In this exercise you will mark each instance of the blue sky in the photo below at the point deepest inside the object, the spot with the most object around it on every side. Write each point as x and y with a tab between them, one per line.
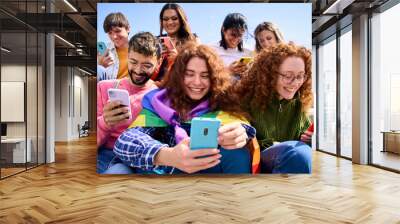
205	19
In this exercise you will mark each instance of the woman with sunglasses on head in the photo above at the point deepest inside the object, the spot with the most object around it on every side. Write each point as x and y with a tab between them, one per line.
230	48
174	22
267	34
277	94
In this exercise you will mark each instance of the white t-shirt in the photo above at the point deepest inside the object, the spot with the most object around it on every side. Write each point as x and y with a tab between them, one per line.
231	54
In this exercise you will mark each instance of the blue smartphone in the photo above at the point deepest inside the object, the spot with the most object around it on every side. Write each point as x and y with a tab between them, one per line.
101	47
204	133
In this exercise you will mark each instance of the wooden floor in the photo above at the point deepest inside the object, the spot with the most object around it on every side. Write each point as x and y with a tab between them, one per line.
70	191
387	159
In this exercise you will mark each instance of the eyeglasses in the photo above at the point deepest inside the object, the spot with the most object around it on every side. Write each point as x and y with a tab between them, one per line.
173	18
289	78
144	67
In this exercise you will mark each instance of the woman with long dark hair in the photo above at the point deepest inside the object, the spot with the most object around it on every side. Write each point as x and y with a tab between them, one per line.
231	47
174	22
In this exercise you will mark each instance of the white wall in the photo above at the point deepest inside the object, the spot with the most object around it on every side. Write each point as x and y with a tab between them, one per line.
61	103
70	83
12	73
33	127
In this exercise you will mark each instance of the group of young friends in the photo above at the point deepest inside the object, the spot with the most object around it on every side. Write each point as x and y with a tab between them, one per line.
262	105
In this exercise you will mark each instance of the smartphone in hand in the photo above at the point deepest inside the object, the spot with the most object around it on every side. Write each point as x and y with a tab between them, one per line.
167	42
204	133
101	47
245	60
121	95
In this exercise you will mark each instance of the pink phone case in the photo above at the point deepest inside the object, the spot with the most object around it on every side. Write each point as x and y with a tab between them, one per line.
167	42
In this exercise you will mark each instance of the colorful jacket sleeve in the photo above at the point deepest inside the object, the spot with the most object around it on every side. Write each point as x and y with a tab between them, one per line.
250	131
137	148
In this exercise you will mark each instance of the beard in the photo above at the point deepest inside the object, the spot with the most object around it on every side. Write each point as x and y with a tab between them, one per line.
138	79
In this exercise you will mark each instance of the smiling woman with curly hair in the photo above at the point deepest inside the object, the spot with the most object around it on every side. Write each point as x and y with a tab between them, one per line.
277	94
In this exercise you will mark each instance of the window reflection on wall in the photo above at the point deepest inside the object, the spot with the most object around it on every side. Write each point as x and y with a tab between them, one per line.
327	96
385	85
346	94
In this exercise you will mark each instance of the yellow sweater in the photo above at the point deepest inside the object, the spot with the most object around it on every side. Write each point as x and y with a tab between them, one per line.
123	62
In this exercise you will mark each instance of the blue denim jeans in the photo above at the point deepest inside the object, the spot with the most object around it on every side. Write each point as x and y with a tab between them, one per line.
232	162
287	157
104	157
119	168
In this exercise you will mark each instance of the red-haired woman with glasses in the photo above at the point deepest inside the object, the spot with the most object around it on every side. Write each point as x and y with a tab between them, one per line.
277	94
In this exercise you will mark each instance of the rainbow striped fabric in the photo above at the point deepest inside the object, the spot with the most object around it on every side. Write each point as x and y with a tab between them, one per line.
148	117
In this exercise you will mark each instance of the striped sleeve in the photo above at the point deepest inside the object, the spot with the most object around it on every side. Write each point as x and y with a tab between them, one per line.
137	148
250	131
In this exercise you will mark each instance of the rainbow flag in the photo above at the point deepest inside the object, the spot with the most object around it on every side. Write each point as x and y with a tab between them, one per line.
149	118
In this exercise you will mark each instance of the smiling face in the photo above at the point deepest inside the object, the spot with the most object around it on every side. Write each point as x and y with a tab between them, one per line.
170	22
196	81
140	67
119	36
266	39
290	79
233	37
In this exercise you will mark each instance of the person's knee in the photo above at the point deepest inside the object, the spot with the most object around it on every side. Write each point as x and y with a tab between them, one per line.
119	168
236	154
300	158
235	161
287	157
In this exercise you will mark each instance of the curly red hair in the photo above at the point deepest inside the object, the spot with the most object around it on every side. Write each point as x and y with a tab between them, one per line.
218	96
257	86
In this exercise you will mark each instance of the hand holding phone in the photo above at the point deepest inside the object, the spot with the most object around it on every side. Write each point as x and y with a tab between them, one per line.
101	48
245	60
204	133
118	109
121	95
187	160
167	42
103	57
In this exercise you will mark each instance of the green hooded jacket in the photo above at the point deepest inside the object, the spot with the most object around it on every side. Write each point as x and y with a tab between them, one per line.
282	121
